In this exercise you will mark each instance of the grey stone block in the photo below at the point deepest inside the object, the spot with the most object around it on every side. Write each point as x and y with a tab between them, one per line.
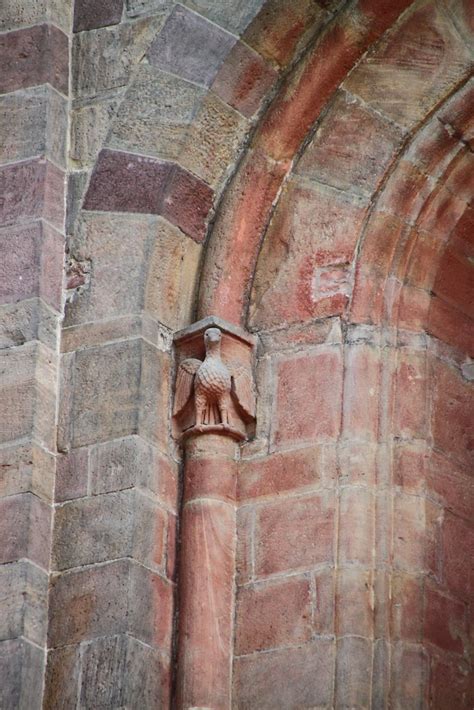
62	678
27	467
25	321
190	46
25	523
106	392
89	127
21	673
23	602
115	465
103	59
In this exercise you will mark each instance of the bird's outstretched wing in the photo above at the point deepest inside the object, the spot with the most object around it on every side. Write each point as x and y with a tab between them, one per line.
184	383
243	388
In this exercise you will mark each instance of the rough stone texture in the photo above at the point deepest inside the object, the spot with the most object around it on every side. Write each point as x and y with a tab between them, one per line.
21	670
88	15
102	59
234	15
154	114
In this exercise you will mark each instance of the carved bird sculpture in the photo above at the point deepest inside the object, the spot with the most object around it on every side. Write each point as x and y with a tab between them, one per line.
213	383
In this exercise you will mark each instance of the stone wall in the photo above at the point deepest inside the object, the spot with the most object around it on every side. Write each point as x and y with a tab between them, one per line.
303	170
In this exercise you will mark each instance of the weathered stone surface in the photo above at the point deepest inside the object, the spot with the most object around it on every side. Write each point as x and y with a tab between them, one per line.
106	392
354	594
155	384
21	671
187	203
352	147
171	280
244	79
301	272
27	467
89	126
62	677
295	417
71	475
294	534
32	188
151	616
25	529
129	462
354	661
212	141
409	90
17	370
25	321
88	603
33	122
190	47
118	248
107	527
89	15
234	15
23	602
280	29
32	56
140	7
18	13
123	182
287	678
155	113
452	424
272	615
103	59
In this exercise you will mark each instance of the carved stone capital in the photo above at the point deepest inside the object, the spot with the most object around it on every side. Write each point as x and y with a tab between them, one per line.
214	386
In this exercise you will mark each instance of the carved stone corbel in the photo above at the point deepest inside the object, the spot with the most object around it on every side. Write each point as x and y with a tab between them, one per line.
215	390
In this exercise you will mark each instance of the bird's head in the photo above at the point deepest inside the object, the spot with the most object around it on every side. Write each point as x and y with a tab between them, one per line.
212	338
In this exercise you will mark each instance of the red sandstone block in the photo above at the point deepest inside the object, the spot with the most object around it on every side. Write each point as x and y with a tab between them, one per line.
122	182
445	621
62	677
210	478
410	417
410	667
306	386
450	485
460	177
244	214
277	473
451	683
244	79
383	234
245	544
296	533
361	392
354	603
451	326
187	203
32	56
405	192
452	422
52	258
406	607
454	282
352	147
356	526
288	678
424	258
409	532
353	662
89	14
411	463
457	554
272	615
172	547
440	215
367	297
413	308
22	189
458	111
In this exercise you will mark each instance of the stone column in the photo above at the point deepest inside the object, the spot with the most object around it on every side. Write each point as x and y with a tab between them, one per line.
214	410
206	577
